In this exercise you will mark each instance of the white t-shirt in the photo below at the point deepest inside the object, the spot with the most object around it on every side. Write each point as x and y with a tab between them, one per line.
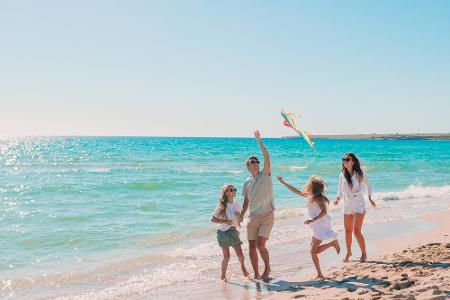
259	191
232	208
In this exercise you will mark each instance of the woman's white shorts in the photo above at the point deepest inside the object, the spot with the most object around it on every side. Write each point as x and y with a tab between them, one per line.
354	204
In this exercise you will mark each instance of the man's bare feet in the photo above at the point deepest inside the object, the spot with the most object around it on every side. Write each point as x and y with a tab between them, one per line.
336	246
347	257
245	272
257	276
363	258
266	273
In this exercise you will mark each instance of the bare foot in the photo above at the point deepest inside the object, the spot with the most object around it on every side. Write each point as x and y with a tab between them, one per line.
223	278
363	258
245	272
347	257
320	277
266	273
257	276
336	246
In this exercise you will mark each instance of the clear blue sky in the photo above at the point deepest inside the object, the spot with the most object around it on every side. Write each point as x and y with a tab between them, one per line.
223	68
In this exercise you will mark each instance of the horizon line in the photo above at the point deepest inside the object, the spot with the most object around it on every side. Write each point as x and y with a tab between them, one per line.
415	134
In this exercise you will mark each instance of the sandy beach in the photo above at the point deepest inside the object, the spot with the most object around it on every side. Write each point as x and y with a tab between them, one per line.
409	267
402	264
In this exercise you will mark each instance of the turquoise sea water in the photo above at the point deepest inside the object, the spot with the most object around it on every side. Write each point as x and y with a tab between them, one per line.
89	209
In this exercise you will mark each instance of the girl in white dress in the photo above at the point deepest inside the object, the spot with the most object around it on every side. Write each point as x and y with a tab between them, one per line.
352	185
320	222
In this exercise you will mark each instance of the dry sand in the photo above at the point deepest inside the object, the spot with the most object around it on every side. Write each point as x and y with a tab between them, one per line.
410	267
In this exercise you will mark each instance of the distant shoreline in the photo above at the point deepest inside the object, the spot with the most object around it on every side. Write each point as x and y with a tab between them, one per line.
362	136
381	136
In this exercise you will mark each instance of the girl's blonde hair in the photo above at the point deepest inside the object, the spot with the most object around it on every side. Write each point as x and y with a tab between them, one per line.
223	200
315	188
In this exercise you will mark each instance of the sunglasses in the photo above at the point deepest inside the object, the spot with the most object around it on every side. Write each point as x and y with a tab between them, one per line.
253	162
346	159
232	190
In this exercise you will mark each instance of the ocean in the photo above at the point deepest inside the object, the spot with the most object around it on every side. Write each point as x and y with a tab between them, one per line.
107	216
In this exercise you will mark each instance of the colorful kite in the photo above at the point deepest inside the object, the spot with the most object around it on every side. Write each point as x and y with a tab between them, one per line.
289	121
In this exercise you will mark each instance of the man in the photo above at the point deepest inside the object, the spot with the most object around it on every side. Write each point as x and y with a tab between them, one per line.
258	198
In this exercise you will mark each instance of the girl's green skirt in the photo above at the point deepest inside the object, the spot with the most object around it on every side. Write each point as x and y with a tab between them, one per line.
229	238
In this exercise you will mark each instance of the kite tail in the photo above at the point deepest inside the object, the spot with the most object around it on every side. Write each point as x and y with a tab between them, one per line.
307	138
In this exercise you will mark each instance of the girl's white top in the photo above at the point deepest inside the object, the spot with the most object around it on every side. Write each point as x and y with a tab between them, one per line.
320	229
357	189
231	210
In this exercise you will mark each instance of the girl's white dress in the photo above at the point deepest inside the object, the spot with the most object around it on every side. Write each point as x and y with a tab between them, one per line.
321	228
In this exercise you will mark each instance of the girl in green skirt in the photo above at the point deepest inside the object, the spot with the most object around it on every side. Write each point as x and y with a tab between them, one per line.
226	216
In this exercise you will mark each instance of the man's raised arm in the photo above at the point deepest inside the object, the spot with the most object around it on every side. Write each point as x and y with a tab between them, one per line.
266	169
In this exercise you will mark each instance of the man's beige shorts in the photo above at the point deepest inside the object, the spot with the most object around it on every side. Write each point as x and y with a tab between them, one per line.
260	225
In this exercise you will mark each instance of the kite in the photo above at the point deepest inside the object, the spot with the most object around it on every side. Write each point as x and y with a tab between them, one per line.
289	121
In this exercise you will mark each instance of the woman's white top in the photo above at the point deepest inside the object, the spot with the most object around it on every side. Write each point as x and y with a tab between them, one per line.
231	210
357	189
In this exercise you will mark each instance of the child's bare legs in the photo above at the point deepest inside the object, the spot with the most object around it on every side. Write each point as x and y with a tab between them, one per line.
316	248
315	244
359	219
348	225
240	256
226	259
336	246
324	247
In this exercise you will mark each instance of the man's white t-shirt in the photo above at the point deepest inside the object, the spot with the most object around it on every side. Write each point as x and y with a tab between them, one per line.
230	211
259	191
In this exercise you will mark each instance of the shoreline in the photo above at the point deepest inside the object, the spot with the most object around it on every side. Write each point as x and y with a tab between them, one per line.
441	232
291	263
293	271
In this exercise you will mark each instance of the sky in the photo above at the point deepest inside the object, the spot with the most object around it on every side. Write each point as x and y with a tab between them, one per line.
223	68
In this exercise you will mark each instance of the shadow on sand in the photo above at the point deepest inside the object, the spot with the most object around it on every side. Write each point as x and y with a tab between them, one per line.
350	284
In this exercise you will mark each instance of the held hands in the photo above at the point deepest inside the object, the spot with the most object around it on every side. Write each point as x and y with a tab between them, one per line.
241	220
238	216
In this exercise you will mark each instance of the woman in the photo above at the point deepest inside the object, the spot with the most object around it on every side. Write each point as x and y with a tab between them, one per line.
351	187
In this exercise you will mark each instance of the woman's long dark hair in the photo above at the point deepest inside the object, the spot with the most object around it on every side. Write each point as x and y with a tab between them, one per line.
356	169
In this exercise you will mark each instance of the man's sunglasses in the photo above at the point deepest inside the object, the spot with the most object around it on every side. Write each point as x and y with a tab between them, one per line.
253	162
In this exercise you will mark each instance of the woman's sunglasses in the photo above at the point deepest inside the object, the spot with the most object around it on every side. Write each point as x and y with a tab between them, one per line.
232	190
347	159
